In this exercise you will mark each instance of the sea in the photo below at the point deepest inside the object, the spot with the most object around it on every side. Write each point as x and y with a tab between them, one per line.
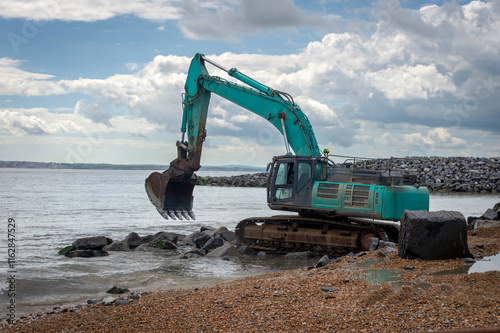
44	210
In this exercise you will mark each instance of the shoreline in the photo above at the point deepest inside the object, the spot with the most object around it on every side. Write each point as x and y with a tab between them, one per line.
343	296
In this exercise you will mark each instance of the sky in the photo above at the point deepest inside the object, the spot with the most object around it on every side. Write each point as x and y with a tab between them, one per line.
101	82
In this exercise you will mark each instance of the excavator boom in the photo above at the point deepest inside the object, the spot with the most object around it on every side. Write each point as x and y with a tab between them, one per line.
171	191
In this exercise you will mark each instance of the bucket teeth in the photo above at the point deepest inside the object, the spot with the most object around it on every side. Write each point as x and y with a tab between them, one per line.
191	215
185	214
171	214
177	214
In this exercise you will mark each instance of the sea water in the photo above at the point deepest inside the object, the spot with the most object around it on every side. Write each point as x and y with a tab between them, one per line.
53	207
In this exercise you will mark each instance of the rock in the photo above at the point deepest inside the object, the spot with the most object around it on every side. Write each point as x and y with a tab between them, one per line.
486	224
218	231
162	236
94	301
117	246
202	240
108	300
213	243
262	253
374	243
388	250
65	251
224	250
433	235
192	255
91	243
490	214
133	240
86	254
299	255
246	250
206	228
468	260
382	244
329	289
146	248
117	290
120	302
323	261
496	208
228	235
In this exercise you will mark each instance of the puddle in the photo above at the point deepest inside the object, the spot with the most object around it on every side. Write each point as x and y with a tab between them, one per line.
368	262
459	270
381	275
487	264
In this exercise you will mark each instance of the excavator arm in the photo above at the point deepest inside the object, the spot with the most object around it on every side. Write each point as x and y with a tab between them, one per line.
171	191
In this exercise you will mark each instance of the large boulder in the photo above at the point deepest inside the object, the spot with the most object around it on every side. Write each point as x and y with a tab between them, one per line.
117	246
433	235
133	240
213	243
91	243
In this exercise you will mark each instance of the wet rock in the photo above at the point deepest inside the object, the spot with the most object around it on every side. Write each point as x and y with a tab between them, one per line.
323	261
228	235
202	240
225	250
246	250
163	237
206	228
213	243
117	246
146	248
496	208
133	240
65	251
91	243
117	290
86	254
299	255
433	235
490	214
218	231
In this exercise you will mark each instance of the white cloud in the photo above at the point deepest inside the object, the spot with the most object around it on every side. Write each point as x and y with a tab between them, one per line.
88	10
15	81
410	82
19	124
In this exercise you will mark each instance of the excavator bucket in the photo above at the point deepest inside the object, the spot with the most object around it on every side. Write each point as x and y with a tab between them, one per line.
172	193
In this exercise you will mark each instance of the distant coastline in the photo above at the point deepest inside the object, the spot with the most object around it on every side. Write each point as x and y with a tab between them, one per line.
107	166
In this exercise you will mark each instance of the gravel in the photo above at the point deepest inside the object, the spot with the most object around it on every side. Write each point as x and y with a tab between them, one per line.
336	297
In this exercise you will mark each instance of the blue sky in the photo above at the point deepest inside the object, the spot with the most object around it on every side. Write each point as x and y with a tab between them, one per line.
101	83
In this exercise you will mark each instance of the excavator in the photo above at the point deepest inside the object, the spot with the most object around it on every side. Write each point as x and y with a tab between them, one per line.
337	208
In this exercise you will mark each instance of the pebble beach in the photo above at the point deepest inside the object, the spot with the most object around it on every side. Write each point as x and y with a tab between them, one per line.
368	292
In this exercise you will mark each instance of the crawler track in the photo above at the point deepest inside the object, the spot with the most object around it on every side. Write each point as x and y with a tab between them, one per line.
294	233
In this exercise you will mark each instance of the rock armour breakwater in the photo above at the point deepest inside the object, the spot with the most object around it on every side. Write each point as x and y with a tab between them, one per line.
443	174
449	174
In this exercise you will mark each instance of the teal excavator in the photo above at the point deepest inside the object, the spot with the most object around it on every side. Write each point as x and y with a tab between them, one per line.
340	206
